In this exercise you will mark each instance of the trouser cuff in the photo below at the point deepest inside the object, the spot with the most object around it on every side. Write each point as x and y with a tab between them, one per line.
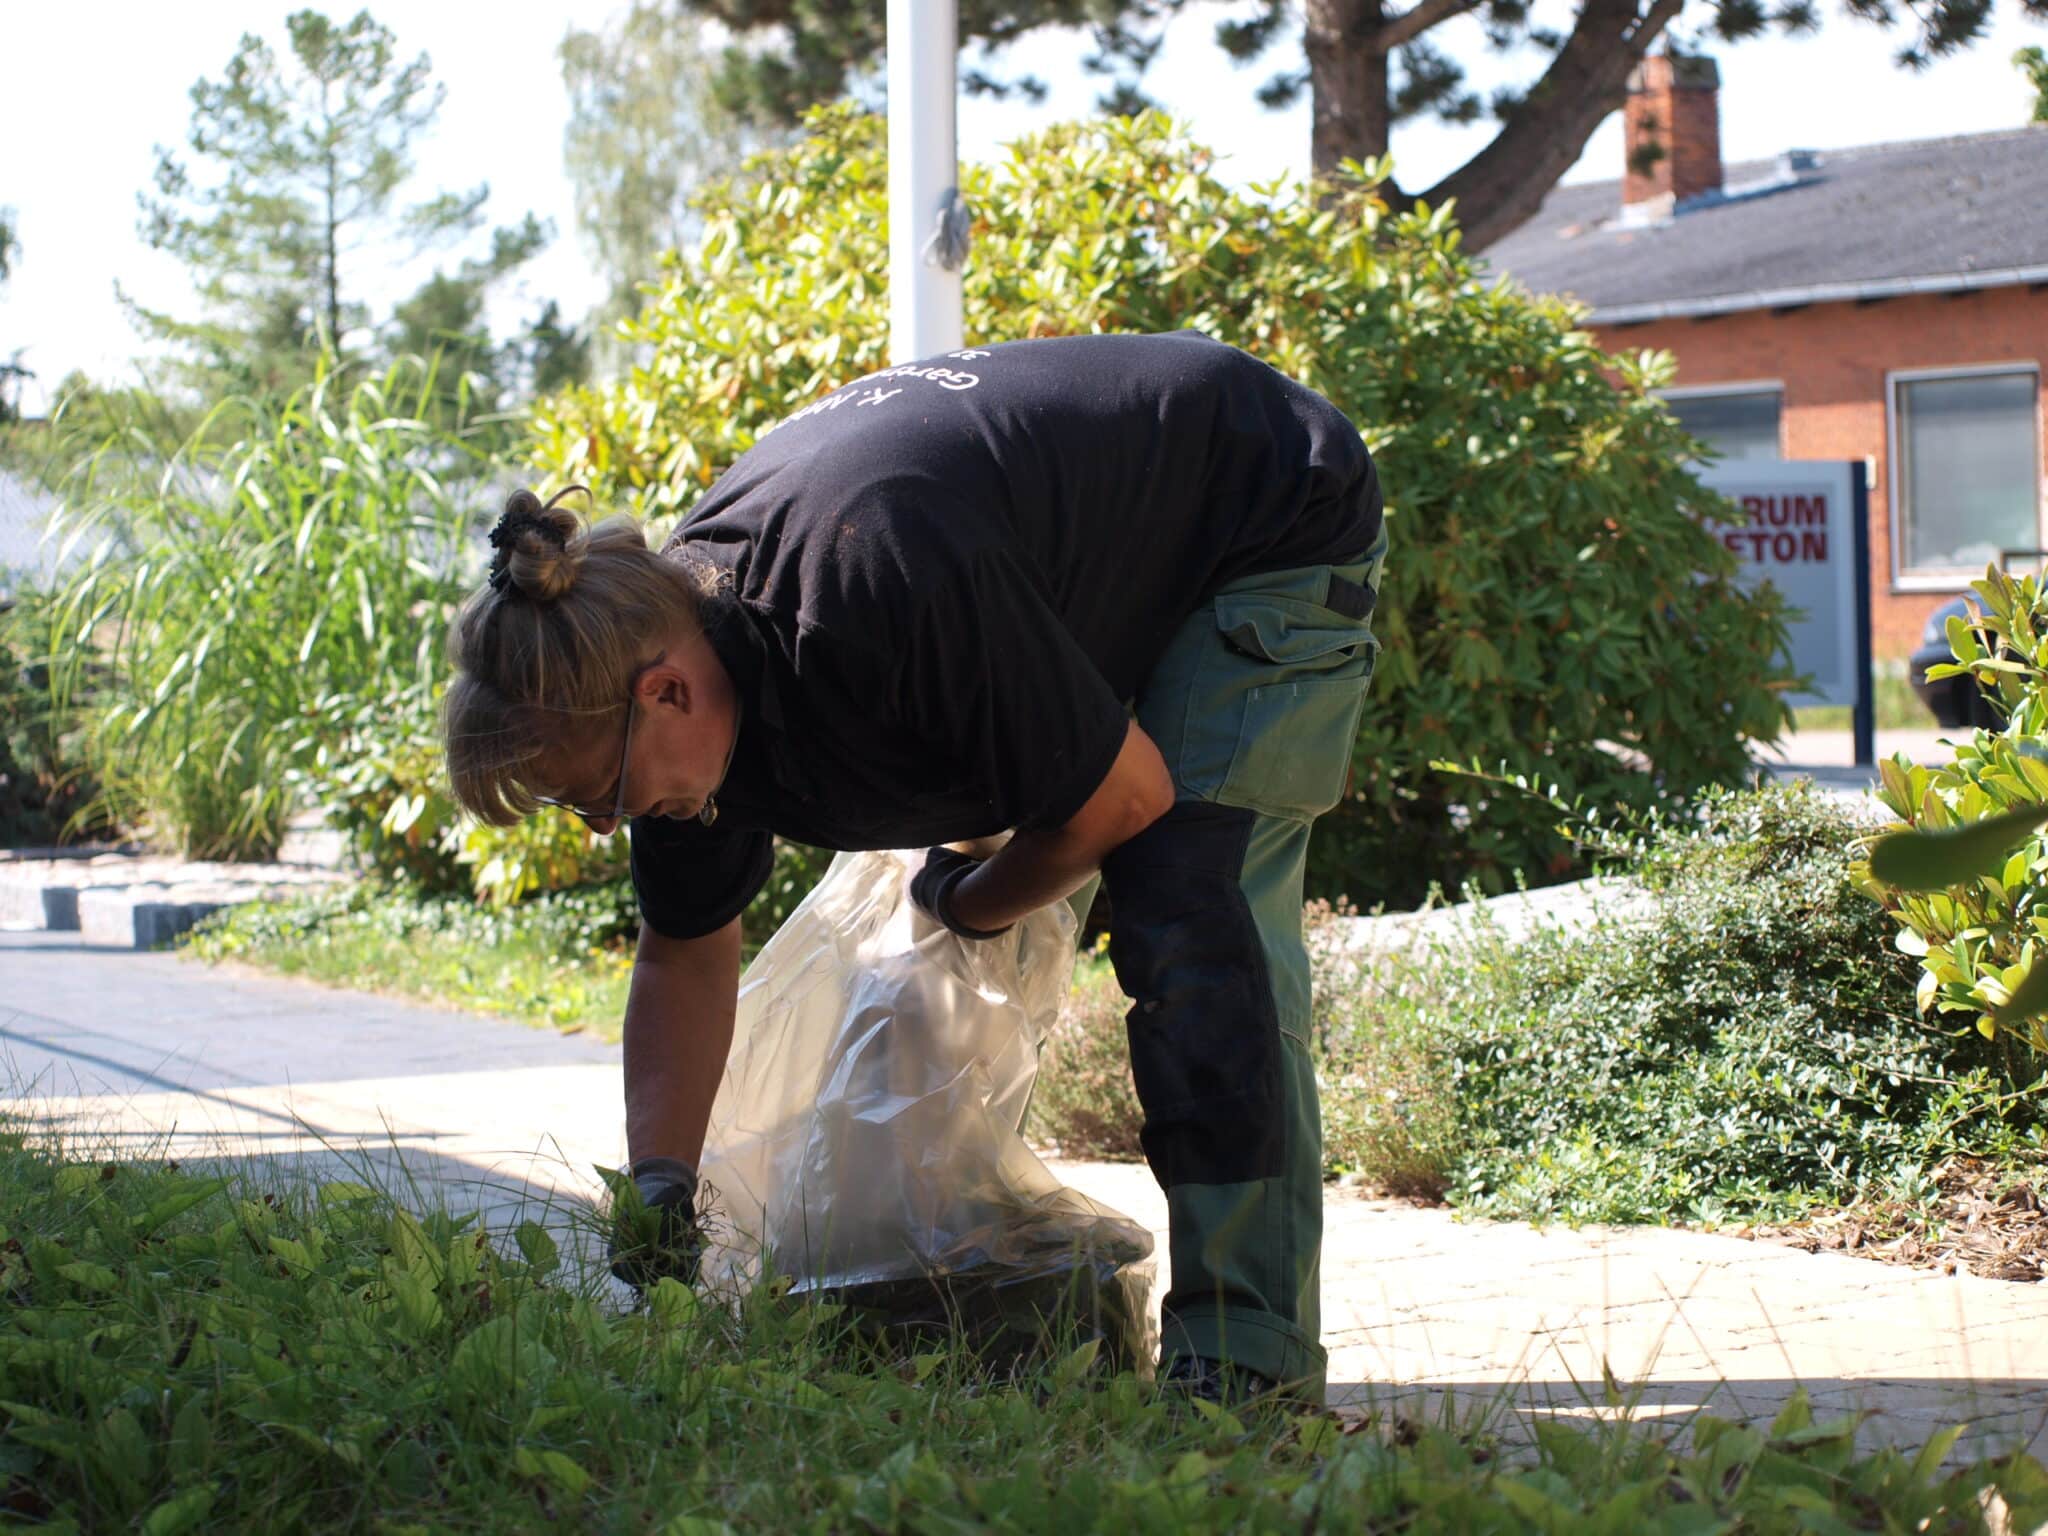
1258	1341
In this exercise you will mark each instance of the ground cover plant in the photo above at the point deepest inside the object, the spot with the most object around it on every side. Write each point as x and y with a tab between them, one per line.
1553	592
561	958
1750	1046
192	1349
1747	1047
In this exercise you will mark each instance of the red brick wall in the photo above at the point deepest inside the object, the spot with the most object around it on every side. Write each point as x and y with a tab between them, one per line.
1831	360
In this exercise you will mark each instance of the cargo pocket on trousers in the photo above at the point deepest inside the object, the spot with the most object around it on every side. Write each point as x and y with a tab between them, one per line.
1307	667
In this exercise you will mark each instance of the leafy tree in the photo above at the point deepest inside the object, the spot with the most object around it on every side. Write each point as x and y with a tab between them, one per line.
446	315
1367	64
550	355
2033	63
304	159
645	131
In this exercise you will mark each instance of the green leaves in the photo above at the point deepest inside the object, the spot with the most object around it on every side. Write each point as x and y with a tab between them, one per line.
1935	860
214	1387
321	526
1966	875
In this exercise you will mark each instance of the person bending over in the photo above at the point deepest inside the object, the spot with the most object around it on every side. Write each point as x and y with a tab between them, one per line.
1110	594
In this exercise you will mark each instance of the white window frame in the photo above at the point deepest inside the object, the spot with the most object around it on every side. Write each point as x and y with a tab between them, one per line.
1904	580
1742	387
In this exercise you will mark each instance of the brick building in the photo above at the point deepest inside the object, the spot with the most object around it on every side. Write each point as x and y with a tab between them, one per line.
1887	303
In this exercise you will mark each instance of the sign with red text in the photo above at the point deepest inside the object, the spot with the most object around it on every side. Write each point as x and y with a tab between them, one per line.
1799	529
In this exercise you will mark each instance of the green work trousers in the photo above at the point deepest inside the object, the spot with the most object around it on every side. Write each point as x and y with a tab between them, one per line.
1256	706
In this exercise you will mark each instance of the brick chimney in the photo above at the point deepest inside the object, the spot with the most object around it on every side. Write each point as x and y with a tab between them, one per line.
1673	132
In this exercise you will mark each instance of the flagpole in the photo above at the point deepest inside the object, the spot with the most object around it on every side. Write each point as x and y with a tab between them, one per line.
927	234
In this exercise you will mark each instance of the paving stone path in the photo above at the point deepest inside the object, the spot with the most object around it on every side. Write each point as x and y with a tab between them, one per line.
1424	1314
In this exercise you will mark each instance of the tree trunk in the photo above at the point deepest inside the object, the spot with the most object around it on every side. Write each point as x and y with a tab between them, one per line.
1347	73
333	273
1350	41
1501	186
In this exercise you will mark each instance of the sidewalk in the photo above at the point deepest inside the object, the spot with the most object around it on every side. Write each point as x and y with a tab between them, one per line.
146	1053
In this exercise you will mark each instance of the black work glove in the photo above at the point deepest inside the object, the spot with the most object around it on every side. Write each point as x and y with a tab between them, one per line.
654	1224
932	887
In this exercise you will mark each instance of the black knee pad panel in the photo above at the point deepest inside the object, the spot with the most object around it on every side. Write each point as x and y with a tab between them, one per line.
1204	1032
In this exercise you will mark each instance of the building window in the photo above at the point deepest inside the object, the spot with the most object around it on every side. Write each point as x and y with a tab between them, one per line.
1966	482
1736	424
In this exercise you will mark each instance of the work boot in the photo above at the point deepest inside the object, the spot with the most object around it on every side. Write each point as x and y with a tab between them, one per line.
1188	1377
654	1229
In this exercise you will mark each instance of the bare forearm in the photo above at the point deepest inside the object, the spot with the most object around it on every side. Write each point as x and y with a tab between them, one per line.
679	1027
1036	868
1032	870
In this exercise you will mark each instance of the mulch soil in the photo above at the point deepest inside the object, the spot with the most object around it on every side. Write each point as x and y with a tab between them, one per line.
1988	1220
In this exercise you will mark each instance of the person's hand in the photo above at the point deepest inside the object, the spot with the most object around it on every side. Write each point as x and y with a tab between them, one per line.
655	1233
932	888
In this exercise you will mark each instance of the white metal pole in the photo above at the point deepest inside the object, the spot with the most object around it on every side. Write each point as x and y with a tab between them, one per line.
924	296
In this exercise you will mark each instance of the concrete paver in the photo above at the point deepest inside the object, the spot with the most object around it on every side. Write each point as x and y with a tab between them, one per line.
1425	1315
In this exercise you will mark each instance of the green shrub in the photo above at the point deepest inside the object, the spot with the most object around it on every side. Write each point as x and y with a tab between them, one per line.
46	794
1389	1119
375	775
1552	592
1749	1047
288	554
1981	938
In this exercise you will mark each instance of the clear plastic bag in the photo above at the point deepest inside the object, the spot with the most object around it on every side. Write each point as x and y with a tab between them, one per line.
865	1140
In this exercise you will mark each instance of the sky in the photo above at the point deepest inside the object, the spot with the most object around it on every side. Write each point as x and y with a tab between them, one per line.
93	87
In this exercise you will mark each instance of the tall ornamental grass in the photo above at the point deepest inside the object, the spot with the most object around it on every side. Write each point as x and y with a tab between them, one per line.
249	586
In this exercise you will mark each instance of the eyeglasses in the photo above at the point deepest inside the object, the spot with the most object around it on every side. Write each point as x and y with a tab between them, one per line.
618	811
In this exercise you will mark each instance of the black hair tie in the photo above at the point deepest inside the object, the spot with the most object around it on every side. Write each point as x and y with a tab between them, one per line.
523	514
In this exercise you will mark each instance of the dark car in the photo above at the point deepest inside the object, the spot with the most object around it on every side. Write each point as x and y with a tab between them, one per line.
1956	702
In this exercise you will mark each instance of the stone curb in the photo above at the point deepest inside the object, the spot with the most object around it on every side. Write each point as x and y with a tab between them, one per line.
136	901
1567	909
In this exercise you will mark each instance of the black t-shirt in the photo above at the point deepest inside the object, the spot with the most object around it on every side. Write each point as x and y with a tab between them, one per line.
943	583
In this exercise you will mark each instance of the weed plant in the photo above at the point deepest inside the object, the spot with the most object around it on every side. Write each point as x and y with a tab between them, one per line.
190	1349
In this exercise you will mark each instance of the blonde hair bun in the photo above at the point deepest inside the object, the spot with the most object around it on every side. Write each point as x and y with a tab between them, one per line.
540	546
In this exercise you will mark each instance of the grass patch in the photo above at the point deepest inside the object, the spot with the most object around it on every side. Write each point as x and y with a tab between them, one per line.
215	1350
563	960
1898	707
